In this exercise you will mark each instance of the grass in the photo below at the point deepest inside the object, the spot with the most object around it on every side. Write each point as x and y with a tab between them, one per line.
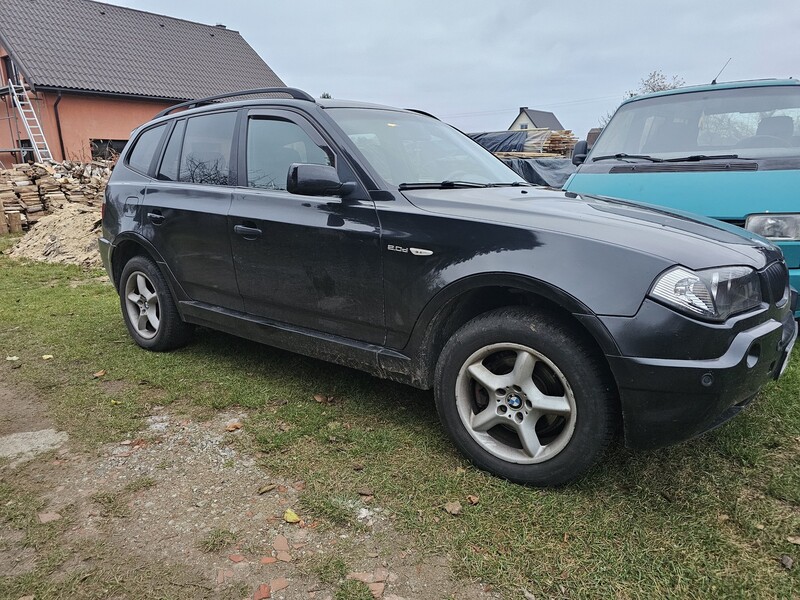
116	503
217	540
328	569
353	590
709	518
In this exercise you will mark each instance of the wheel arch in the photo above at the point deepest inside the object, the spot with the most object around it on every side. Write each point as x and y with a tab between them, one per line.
128	245
465	299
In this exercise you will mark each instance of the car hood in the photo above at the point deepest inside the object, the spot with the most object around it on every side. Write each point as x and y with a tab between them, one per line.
685	238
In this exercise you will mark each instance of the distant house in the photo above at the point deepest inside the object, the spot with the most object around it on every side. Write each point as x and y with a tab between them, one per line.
535	119
93	72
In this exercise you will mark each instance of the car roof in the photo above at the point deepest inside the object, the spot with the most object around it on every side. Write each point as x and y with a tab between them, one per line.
727	85
270	102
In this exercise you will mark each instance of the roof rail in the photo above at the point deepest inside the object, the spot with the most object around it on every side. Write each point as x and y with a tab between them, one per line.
422	112
293	92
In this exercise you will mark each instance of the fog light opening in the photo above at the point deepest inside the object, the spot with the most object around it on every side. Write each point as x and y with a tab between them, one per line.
753	355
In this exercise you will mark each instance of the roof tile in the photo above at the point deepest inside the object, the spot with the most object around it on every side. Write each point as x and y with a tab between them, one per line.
91	46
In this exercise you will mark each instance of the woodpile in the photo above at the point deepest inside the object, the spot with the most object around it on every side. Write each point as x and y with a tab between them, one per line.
29	192
560	142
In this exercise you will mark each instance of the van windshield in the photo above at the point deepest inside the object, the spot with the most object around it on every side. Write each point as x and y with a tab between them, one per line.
760	122
410	149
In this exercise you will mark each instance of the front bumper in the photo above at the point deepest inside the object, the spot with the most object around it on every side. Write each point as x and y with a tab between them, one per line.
667	400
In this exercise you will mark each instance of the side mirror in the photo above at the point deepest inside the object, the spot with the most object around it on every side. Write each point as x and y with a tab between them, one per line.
579	152
316	180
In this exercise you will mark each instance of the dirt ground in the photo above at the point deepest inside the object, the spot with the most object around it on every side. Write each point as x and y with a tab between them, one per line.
168	495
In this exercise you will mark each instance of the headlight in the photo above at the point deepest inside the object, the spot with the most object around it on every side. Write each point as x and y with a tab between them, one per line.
776	227
713	294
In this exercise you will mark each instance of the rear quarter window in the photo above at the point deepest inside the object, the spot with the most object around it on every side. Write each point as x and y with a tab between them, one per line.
144	149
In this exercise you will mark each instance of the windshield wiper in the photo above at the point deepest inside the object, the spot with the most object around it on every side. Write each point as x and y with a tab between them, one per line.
442	185
623	155
699	157
511	184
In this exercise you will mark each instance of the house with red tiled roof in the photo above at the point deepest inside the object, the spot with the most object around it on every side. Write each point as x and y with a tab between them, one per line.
88	73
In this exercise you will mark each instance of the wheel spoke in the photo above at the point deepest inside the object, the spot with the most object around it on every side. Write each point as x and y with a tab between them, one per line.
550	405
486	419
556	405
486	378
523	368
527	436
141	285
152	317
141	323
133	297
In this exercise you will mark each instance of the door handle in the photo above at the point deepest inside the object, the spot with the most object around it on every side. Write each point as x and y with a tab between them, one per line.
156	218
249	233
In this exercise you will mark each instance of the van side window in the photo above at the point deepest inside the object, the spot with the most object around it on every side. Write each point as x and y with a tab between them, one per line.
141	156
172	154
206	153
272	146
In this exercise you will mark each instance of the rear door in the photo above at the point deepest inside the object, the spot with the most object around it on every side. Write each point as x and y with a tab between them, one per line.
185	208
307	261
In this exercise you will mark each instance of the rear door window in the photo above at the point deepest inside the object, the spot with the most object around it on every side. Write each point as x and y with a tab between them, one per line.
172	154
206	152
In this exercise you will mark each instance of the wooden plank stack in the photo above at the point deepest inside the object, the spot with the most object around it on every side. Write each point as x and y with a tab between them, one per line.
31	191
560	142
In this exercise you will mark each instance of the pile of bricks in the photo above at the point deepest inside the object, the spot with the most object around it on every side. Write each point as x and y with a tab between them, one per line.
29	192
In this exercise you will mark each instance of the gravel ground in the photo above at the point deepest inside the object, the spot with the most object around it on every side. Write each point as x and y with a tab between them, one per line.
158	497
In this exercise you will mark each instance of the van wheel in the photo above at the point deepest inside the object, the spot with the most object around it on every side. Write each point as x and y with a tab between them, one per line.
525	396
149	309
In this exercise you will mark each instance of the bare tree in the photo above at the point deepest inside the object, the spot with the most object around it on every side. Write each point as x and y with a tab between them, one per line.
326	96
656	81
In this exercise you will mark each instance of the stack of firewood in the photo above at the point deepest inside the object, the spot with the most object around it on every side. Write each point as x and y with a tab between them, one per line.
31	191
560	142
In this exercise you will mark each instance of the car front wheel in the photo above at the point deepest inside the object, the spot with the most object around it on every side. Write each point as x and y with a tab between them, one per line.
525	396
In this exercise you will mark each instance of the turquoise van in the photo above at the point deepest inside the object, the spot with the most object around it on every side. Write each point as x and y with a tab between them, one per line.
730	151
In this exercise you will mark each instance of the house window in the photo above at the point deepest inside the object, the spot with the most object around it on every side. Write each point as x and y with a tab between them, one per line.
523	125
107	149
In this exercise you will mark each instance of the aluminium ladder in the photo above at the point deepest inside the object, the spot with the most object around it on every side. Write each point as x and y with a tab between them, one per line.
31	122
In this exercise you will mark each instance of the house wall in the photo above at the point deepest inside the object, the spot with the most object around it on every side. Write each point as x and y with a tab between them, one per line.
521	118
83	117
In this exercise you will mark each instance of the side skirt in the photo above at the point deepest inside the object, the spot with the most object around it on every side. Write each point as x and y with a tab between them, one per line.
371	358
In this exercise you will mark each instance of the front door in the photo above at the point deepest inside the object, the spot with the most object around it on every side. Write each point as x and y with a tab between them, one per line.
306	261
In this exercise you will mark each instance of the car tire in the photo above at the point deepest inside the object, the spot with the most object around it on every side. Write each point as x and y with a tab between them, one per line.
148	308
526	396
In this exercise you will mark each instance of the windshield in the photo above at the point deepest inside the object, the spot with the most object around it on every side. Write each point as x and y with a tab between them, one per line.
407	148
757	122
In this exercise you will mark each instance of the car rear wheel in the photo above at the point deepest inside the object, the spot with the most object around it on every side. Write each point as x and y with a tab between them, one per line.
525	396
149	309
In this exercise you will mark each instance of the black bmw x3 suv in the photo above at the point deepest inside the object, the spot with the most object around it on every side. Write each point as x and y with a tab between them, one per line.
386	240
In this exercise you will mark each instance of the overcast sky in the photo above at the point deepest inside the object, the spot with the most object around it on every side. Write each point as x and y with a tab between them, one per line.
473	63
